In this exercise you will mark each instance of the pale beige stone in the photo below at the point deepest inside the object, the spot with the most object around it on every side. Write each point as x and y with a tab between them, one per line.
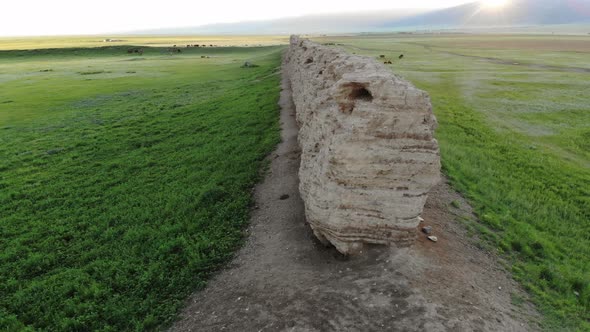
369	157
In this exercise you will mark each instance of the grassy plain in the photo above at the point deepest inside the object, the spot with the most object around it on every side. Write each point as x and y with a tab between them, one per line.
124	180
28	43
514	114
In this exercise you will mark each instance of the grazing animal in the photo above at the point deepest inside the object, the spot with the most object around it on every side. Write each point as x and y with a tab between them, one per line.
249	64
135	50
401	56
382	56
387	62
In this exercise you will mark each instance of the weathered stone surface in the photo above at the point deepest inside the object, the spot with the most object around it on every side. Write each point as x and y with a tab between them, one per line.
369	157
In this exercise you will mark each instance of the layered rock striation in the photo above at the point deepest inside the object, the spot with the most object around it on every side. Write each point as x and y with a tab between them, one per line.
368	156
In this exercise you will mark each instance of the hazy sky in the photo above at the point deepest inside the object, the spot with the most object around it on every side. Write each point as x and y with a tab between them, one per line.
46	17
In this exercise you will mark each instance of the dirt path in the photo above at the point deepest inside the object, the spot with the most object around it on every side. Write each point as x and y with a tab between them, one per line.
284	280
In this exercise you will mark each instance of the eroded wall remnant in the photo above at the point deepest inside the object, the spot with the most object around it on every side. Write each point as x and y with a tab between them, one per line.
368	156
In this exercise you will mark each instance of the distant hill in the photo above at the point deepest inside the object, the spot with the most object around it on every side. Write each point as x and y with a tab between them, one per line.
515	13
321	23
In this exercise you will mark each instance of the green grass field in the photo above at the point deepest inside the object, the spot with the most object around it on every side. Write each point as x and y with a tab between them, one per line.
515	140
125	180
29	43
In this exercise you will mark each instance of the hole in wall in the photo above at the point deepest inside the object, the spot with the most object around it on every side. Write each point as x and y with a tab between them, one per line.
358	91
316	148
351	93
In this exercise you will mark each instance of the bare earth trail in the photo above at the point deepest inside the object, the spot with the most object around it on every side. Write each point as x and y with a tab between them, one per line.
284	280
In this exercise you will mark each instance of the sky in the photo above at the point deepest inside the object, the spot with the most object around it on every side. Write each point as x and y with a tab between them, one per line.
74	17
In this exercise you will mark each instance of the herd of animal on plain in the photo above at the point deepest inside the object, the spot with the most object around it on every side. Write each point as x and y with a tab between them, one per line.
173	49
388	62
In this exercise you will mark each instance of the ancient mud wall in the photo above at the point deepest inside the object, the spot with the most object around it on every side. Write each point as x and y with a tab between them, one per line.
369	157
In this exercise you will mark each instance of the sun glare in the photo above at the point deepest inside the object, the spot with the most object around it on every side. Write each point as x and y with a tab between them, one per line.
495	3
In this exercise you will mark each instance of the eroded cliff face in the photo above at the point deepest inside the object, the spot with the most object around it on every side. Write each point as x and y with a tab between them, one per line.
369	157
